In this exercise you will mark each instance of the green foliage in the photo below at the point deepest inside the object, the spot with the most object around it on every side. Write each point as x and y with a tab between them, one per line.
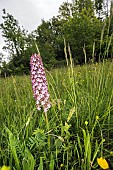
83	24
99	7
13	144
76	130
78	127
17	150
41	164
19	45
86	28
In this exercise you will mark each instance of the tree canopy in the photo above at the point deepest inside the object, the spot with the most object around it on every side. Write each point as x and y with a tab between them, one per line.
84	24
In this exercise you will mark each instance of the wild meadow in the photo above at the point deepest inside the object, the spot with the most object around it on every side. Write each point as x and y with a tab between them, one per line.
76	133
77	129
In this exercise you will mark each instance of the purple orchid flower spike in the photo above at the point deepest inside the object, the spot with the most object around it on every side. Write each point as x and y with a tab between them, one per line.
39	83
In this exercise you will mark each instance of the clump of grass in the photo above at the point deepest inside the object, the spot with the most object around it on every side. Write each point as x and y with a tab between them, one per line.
77	96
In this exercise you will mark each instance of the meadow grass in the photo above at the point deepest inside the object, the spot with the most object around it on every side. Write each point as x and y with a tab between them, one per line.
78	127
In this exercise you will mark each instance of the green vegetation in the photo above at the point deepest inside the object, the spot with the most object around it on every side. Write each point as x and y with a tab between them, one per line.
83	24
79	126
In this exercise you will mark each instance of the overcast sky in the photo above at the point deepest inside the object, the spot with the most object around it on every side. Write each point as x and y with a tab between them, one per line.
30	12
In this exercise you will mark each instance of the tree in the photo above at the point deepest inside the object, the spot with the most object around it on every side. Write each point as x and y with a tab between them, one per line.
14	36
79	5
18	43
65	11
99	7
45	40
1	58
77	23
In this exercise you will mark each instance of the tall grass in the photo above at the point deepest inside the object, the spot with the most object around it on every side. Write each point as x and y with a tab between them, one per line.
76	130
80	120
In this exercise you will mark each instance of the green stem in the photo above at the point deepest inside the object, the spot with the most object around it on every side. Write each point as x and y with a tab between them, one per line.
47	124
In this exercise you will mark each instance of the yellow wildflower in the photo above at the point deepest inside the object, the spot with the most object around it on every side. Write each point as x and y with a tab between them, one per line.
111	153
61	165
103	140
86	122
5	168
103	163
97	117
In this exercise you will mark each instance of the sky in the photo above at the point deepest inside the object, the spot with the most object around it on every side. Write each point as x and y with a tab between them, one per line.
29	13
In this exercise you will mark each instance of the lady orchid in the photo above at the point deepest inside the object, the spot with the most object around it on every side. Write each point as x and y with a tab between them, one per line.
39	83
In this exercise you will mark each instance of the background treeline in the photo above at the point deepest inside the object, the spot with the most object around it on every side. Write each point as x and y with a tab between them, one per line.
86	25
